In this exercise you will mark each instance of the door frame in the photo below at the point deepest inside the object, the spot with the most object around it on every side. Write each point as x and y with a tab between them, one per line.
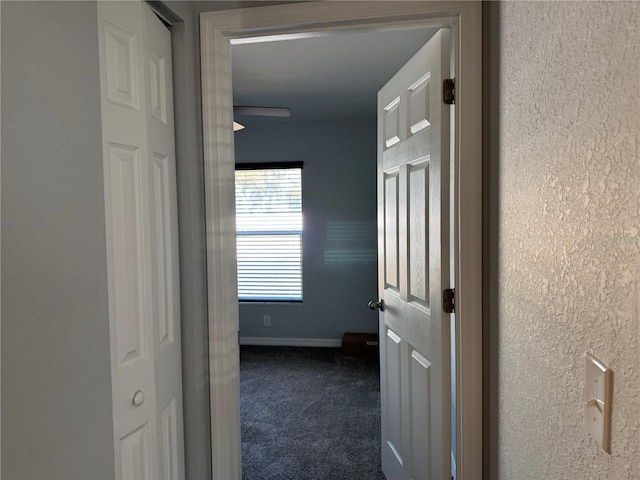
216	31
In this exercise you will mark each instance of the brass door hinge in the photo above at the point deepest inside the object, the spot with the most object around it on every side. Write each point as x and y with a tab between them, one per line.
449	300
449	91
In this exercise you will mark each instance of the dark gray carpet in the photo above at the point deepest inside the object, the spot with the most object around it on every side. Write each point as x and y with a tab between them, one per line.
309	414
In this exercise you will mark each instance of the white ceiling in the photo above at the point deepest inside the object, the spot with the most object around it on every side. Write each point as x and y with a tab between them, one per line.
327	76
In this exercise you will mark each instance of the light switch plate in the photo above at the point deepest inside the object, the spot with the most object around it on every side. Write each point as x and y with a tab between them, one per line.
598	395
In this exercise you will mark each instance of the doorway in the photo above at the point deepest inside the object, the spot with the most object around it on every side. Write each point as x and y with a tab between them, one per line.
333	129
217	29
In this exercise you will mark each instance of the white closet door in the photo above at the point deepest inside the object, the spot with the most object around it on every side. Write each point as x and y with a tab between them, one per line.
140	197
163	215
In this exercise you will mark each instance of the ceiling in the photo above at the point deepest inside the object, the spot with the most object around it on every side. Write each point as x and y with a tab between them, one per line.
326	76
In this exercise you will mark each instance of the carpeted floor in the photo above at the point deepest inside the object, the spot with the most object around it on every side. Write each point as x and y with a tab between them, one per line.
309	414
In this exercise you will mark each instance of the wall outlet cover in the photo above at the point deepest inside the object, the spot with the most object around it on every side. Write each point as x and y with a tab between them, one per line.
598	396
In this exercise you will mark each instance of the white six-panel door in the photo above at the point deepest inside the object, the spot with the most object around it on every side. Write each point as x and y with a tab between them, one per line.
413	217
142	246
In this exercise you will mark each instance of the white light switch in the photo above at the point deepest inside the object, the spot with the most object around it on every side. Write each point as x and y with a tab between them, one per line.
598	395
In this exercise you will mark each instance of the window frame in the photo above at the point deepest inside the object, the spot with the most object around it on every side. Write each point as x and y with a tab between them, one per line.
286	165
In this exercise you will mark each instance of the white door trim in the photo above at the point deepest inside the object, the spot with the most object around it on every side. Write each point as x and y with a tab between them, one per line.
216	30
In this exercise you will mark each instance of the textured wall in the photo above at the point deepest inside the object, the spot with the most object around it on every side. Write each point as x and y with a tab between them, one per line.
568	226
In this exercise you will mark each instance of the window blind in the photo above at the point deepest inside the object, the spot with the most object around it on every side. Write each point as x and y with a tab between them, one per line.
269	233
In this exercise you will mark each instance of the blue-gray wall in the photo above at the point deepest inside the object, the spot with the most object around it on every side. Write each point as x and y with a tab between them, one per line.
339	232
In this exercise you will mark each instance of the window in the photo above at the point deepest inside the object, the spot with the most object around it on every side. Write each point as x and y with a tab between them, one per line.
269	231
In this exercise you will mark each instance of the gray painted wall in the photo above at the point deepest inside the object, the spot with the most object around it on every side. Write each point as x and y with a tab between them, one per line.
339	232
191	215
56	374
56	414
191	224
564	253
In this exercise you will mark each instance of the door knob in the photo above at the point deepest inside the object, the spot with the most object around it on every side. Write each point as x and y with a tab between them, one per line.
379	305
138	398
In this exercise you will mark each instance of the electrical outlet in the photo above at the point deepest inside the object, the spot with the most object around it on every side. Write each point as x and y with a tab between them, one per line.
266	320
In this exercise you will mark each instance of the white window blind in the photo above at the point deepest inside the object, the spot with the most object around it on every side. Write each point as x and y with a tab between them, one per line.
269	233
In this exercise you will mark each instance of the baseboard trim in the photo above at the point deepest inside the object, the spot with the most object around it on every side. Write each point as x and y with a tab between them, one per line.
292	342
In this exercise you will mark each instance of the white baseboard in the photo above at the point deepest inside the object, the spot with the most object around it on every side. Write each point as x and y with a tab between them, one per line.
292	342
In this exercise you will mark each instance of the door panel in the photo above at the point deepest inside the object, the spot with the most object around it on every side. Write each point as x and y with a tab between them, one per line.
418	104
169	441
391	121
418	232
391	230
163	210
126	213
158	93
121	52
135	454
420	405
141	224
394	415
413	181
160	227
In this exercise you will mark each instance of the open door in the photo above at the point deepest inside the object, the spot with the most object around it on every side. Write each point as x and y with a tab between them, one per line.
413	242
